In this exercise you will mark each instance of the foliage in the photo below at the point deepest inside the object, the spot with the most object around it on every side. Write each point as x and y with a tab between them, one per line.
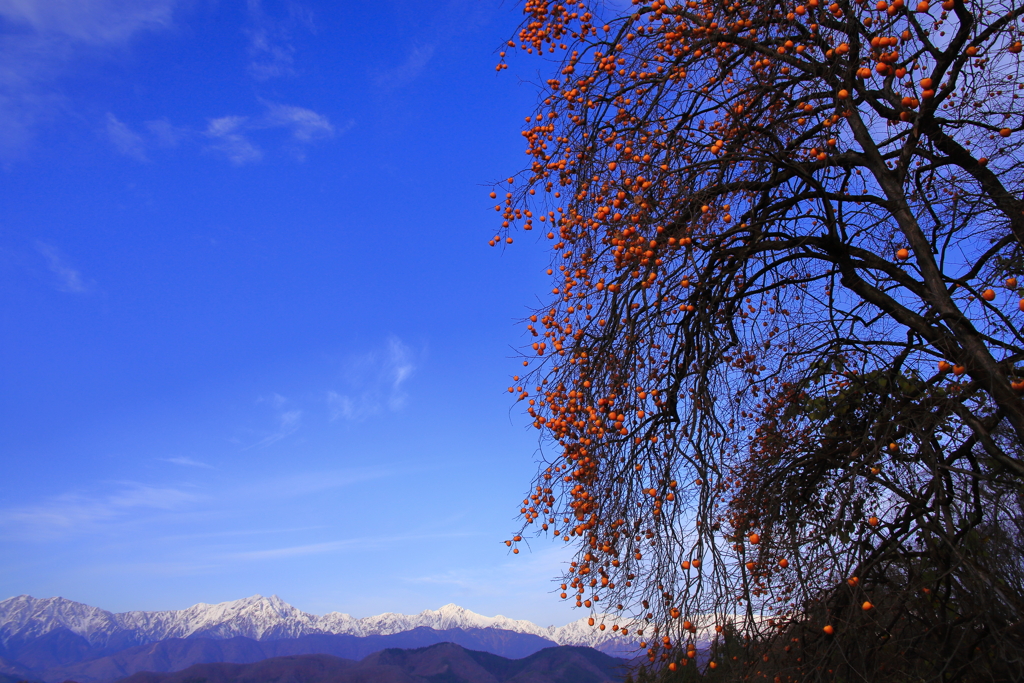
778	376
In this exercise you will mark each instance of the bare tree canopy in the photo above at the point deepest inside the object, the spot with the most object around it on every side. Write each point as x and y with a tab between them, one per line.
779	376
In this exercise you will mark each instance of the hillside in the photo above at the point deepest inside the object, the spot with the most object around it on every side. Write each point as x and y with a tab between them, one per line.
441	663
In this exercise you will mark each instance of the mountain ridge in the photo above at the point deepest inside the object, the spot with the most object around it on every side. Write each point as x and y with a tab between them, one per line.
24	619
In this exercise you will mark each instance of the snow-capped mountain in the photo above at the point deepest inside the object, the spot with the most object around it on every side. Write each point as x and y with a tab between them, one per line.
259	618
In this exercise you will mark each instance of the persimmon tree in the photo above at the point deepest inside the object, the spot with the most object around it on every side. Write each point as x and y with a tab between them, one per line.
779	373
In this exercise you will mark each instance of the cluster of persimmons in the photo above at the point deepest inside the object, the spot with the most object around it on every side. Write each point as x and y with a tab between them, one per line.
778	365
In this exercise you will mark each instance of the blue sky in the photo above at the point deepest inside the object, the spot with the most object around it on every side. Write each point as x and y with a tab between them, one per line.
254	339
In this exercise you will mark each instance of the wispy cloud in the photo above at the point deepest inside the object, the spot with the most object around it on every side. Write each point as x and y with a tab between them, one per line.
227	137
293	551
287	420
341	406
41	40
406	72
125	140
290	420
271	50
89	21
188	462
275	399
524	574
303	484
333	546
166	134
171	569
68	278
374	383
269	58
73	512
111	507
288	423
234	136
235	533
305	124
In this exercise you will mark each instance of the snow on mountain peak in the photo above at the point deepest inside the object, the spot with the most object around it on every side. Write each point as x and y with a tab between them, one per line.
256	617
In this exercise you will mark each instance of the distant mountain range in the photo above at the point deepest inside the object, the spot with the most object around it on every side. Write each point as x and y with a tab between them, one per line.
258	618
55	639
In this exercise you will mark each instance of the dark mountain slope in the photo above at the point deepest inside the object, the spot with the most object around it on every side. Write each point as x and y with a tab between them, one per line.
295	669
13	670
441	663
59	647
7	678
568	665
179	653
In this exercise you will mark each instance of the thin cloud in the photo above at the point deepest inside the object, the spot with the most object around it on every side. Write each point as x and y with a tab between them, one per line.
275	399
288	420
374	383
165	134
139	495
294	551
144	506
233	136
332	546
41	40
234	533
125	140
524	574
304	484
174	569
226	133
288	424
271	51
68	278
400	368
406	72
341	407
94	22
73	512
269	58
188	462
305	124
